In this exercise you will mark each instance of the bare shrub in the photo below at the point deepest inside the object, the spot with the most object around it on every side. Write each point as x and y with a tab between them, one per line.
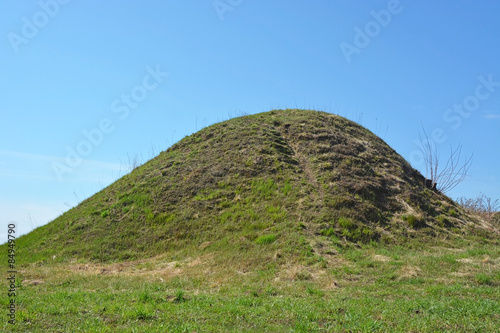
481	205
133	162
454	171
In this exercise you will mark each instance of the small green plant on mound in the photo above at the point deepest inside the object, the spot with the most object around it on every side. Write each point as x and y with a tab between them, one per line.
266	239
145	297
179	296
346	223
413	221
287	188
328	232
264	188
442	221
355	233
314	292
142	314
483	279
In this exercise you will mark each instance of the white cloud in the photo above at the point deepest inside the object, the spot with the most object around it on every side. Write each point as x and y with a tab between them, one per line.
50	158
27	216
23	165
490	115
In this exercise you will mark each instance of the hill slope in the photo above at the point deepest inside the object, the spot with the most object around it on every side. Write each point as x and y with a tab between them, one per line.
286	183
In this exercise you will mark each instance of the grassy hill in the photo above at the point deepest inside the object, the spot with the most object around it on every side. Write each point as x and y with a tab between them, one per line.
302	210
275	177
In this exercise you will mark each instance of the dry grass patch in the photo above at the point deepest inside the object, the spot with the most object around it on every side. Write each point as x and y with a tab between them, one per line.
381	258
409	271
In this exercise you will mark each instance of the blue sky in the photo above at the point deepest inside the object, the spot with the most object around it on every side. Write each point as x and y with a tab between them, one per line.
89	86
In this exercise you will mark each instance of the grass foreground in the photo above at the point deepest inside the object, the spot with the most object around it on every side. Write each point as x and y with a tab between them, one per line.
371	288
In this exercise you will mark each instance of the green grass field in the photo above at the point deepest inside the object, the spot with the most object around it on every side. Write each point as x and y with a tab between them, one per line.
367	289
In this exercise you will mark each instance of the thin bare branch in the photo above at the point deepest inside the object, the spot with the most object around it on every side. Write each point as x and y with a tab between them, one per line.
481	205
454	171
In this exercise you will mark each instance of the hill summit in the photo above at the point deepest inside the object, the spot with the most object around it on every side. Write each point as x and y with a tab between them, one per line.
285	183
